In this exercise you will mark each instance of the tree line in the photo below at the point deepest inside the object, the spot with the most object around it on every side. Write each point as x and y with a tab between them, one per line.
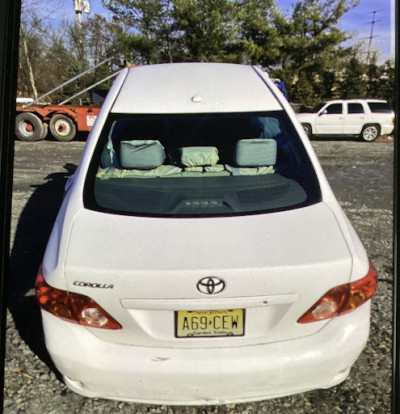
302	46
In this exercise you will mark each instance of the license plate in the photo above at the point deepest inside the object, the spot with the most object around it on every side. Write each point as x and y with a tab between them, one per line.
209	323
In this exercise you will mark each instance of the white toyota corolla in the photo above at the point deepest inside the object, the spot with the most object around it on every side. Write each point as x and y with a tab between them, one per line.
200	256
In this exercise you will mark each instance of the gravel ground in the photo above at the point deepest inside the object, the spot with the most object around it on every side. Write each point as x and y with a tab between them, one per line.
361	175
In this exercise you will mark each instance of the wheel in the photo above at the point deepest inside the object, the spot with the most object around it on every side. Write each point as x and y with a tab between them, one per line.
307	128
45	130
28	127
370	133
62	128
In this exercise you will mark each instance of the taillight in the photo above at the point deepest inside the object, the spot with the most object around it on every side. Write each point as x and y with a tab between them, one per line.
343	299
72	307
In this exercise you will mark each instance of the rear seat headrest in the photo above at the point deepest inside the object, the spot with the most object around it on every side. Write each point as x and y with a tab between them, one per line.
199	156
141	154
255	152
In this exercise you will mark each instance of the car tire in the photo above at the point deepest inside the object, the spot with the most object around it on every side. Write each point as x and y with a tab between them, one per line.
370	132
28	127
62	128
307	129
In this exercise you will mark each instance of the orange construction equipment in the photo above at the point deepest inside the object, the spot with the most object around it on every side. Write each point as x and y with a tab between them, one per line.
34	120
33	123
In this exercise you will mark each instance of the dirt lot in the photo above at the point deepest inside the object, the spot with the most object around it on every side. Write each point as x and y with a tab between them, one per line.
360	174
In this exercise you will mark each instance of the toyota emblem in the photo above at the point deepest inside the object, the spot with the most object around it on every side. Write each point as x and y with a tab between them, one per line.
210	285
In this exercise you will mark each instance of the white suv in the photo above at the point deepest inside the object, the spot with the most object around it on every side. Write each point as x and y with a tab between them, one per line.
366	118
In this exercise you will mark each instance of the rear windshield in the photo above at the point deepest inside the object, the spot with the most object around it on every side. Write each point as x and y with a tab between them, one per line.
200	165
380	107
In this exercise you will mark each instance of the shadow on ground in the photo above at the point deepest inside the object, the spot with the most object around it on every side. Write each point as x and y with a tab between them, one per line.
381	138
32	233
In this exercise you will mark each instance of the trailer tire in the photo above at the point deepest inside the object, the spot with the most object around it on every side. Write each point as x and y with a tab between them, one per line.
62	128
45	130
29	127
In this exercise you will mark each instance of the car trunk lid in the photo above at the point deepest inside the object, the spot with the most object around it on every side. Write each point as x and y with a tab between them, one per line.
143	270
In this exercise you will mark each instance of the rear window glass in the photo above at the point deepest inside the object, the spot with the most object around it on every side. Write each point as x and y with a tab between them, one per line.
200	165
380	107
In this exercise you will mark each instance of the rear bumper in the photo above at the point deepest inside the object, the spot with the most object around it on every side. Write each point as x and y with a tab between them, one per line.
387	129
209	375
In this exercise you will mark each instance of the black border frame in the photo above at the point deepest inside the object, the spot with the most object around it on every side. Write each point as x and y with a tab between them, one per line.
10	11
396	229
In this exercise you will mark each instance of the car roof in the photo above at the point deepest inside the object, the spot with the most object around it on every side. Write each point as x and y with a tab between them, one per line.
355	100
194	88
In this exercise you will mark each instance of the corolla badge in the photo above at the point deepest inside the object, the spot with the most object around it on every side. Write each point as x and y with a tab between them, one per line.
210	285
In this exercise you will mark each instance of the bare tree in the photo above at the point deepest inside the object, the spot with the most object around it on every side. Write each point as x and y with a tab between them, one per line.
35	40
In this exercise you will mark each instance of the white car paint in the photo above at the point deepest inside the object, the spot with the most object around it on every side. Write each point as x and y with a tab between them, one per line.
141	269
206	376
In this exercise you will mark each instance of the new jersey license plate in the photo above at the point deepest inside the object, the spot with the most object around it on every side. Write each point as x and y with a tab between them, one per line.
209	323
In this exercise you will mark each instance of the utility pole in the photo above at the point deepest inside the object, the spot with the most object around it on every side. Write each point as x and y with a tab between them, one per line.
369	57
81	6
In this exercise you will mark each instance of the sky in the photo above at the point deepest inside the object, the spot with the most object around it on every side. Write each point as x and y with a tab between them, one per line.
357	21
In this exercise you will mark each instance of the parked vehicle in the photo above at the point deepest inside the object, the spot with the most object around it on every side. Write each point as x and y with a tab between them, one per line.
34	119
33	123
364	118
200	256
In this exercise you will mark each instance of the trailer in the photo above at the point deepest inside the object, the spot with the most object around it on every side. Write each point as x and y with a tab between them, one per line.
63	121
34	120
